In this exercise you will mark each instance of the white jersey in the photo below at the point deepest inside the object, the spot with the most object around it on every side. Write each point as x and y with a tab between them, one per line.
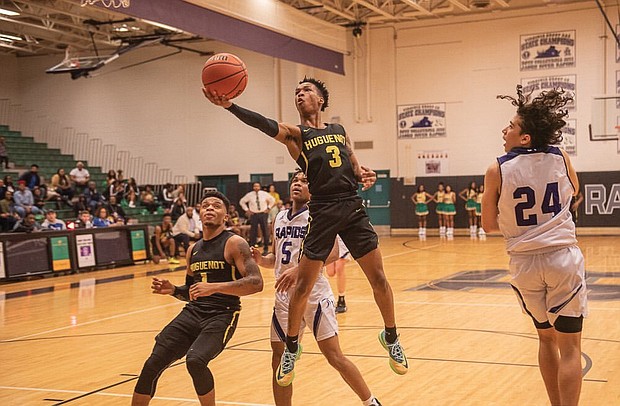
534	200
289	232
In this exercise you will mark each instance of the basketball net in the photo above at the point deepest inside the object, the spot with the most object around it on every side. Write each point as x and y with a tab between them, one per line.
107	3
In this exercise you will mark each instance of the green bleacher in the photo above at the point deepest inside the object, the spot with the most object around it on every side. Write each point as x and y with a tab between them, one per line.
24	151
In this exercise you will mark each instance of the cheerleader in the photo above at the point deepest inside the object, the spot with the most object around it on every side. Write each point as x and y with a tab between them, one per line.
469	196
479	209
420	199
438	198
449	210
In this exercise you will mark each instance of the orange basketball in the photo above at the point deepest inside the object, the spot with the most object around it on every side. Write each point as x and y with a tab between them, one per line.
226	74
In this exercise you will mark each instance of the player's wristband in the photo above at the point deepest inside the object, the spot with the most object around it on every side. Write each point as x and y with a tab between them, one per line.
182	292
266	125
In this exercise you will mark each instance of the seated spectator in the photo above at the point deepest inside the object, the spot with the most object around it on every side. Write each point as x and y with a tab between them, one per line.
163	242
186	229
94	199
8	182
80	176
61	183
4	155
8	216
178	209
115	189
148	199
233	223
27	225
101	219
110	178
115	210
119	175
132	193
2	189
166	198
83	220
80	205
51	222
24	200
32	178
39	201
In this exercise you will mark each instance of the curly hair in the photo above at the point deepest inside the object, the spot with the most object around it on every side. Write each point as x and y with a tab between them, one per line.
322	89
542	117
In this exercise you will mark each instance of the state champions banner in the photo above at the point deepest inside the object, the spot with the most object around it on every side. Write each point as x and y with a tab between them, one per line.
538	85
548	50
425	120
569	137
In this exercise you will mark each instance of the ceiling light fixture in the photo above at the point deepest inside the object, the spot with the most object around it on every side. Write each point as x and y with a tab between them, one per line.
9	13
10	37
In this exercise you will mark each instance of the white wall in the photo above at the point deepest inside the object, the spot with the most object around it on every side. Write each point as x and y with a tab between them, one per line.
157	110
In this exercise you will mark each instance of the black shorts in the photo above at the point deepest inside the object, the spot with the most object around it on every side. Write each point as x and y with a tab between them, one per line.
346	217
206	334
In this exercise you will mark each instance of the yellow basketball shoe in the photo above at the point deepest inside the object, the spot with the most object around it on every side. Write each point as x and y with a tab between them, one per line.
285	372
398	359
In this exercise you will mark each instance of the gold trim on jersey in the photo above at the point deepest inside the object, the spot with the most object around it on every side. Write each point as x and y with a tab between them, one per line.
305	160
232	323
232	270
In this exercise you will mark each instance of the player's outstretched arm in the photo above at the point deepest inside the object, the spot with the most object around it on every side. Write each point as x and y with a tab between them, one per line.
490	198
366	176
287	134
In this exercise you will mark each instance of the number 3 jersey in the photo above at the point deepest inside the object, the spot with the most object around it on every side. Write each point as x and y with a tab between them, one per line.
326	162
289	231
534	200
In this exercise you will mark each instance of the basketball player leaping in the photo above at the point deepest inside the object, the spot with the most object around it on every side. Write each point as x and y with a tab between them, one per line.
324	153
527	197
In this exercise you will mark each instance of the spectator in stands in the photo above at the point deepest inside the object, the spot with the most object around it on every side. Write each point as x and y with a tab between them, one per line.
8	216
80	176
37	196
186	229
233	222
24	200
119	175
27	225
166	198
8	182
101	218
83	220
115	189
51	222
178	208
132	193
163	241
80	205
61	183
115	210
110	178
256	205
94	199
4	155
148	199
2	189
32	178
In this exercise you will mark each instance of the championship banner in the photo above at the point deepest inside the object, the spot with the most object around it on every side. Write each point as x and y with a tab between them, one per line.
617	46
432	163
138	249
567	83
549	50
618	88
569	137
60	253
85	250
422	120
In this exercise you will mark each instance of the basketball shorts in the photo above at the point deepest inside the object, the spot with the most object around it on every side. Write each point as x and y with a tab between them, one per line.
205	334
346	217
551	284
320	317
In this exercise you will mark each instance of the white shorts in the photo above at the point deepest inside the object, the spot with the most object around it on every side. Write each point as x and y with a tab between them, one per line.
320	317
551	284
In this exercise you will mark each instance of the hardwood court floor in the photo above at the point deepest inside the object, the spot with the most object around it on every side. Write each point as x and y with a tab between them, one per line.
69	340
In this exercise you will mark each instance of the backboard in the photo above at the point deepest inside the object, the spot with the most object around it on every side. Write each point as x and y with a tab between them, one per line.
605	117
81	66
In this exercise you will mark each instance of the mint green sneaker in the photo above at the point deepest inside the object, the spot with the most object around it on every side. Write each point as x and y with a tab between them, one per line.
398	359
286	373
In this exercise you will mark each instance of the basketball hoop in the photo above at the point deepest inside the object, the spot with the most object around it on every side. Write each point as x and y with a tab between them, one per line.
107	3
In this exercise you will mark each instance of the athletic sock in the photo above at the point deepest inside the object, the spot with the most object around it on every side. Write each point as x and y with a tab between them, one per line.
292	343
341	300
390	335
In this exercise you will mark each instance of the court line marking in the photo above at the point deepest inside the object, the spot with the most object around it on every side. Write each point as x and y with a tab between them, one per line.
123	395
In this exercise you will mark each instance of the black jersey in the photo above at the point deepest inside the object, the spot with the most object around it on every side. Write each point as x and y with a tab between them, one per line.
208	264
326	162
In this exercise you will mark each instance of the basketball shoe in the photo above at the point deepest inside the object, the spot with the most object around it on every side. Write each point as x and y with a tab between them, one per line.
398	359
341	306
285	372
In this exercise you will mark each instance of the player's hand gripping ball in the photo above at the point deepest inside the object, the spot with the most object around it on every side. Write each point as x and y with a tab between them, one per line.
226	74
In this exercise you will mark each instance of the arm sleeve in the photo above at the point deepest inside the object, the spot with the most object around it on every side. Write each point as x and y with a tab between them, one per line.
266	125
182	292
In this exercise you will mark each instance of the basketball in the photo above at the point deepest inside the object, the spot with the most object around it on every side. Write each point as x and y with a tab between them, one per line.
226	74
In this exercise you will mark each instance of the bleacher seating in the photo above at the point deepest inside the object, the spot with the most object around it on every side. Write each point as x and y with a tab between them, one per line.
23	151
